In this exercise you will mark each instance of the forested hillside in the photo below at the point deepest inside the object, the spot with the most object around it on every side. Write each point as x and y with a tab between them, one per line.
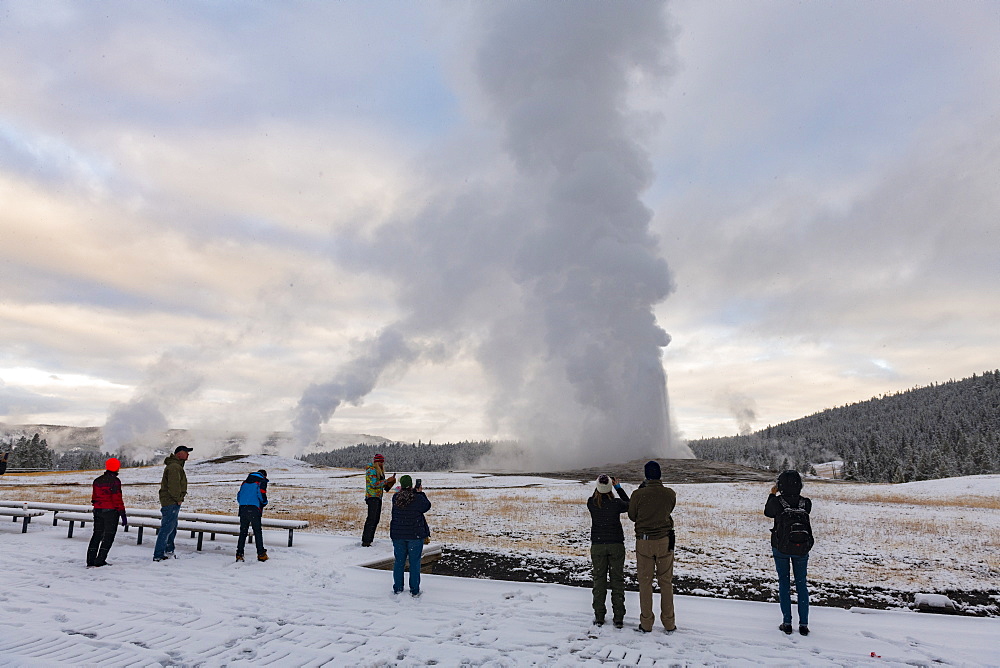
942	430
34	453
406	456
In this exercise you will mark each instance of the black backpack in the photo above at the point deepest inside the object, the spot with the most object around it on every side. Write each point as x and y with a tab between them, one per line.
792	531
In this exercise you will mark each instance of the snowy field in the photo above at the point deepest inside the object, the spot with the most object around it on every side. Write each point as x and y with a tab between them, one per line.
313	604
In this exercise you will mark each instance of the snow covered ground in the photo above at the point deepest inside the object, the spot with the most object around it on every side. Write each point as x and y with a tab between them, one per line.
313	604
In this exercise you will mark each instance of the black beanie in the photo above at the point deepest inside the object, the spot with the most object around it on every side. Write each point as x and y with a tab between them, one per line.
652	471
790	483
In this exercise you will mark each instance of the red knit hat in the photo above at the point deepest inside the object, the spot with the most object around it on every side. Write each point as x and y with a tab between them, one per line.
378	458
113	465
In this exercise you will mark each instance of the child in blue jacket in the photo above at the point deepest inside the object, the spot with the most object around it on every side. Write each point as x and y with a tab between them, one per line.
252	498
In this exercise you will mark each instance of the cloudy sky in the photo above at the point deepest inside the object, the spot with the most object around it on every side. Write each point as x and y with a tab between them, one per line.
216	210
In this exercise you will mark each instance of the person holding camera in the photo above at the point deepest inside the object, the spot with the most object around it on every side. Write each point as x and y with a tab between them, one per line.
791	540
607	549
407	529
376	484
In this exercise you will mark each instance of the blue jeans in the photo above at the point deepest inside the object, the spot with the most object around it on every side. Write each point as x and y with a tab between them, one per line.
403	549
168	529
798	566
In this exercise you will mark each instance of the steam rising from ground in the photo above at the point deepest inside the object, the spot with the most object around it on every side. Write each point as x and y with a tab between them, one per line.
542	267
137	427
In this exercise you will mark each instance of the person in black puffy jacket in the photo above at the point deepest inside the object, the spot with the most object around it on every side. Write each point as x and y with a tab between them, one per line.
789	488
407	530
607	550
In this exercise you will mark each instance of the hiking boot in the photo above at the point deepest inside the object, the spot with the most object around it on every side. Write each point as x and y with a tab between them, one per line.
366	544
239	557
598	621
786	629
159	558
262	557
639	629
415	594
619	623
803	630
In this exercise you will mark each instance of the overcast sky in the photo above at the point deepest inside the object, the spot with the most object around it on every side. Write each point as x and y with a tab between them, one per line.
213	206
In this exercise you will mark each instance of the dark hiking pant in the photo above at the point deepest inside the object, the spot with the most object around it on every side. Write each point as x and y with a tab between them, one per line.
371	523
105	528
609	565
250	517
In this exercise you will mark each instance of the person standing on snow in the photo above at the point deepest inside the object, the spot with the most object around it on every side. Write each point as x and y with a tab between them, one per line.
607	550
650	509
787	493
252	498
108	509
3	462
375	485
173	489
408	529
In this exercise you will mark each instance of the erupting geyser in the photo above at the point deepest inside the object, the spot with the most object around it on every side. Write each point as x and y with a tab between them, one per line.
545	265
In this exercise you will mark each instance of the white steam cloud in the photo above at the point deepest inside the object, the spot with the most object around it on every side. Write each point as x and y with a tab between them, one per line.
137	427
549	272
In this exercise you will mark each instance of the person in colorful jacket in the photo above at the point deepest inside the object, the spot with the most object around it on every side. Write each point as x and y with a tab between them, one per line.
376	484
108	508
252	498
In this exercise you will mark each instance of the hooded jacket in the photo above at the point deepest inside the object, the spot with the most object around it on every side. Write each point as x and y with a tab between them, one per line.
174	484
107	494
253	491
408	522
790	489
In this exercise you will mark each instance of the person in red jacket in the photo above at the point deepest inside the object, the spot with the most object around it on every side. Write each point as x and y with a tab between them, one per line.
108	508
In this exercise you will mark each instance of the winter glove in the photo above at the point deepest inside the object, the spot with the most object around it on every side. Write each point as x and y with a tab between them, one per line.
124	520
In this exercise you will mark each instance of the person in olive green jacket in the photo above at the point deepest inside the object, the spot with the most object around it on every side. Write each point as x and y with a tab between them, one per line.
650	508
173	489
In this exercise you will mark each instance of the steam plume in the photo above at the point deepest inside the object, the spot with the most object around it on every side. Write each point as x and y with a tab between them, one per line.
549	271
138	426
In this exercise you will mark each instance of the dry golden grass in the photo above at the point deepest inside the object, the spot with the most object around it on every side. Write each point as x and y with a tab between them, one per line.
966	501
45	494
455	494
